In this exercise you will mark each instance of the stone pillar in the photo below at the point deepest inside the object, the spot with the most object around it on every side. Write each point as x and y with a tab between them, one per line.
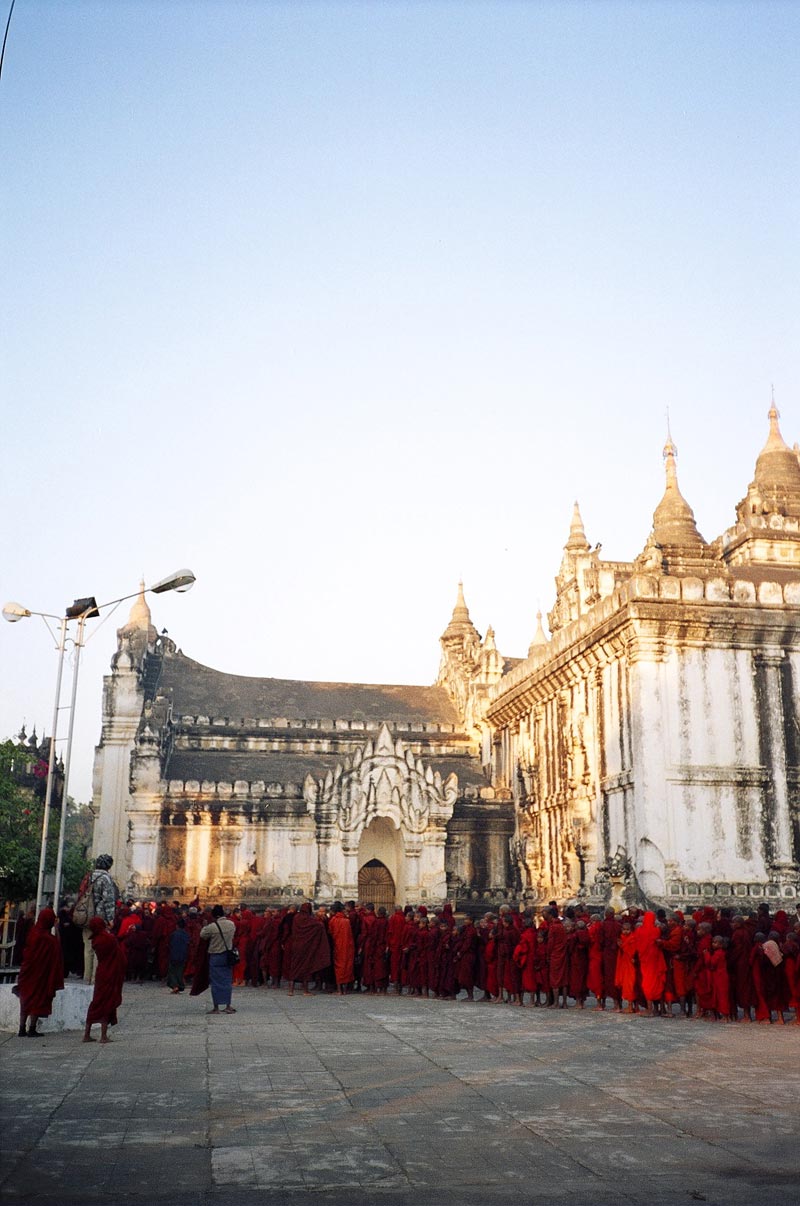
413	850
350	854
143	834
771	722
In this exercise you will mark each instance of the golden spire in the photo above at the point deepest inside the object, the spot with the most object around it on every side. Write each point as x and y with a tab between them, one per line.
539	637
460	611
673	518
140	612
777	467
577	541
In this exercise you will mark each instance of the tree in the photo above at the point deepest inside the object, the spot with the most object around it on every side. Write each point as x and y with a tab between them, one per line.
22	779
20	825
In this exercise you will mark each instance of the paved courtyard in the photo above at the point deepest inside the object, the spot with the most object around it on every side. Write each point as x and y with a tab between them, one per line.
398	1101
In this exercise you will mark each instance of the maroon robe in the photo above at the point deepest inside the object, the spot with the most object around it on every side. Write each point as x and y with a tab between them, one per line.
557	963
309	950
376	965
42	972
465	957
578	944
741	976
652	964
525	959
394	940
610	930
109	976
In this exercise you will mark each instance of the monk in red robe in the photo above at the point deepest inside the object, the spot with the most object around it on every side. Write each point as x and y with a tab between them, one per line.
509	979
466	958
578	952
376	966
594	973
396	927
108	981
344	947
773	977
435	931
652	964
309	951
557	961
703	988
541	968
717	964
525	959
791	962
488	957
609	944
626	973
739	972
164	926
41	975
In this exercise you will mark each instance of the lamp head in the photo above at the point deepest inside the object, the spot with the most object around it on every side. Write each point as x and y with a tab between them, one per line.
181	581
14	611
83	607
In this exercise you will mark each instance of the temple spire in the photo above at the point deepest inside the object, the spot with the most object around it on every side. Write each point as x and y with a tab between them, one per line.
140	612
673	518
539	637
577	541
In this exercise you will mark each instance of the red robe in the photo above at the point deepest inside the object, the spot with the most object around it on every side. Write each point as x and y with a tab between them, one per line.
610	929
594	974
344	948
703	987
42	972
625	976
652	964
394	940
108	979
466	956
741	976
525	959
557	963
717	965
578	946
683	963
376	968
309	950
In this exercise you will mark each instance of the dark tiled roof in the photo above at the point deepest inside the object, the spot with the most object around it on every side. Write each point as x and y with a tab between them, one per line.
765	573
222	766
198	690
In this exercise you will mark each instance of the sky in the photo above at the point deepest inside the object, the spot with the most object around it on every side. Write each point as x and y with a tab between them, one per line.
339	303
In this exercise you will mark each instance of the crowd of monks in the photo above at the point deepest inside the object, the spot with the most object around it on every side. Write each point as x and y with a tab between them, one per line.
712	964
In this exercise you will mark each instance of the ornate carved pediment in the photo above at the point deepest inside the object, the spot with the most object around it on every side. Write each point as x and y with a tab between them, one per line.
382	779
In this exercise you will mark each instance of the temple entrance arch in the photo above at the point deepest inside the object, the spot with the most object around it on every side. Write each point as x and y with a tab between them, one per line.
382	844
375	885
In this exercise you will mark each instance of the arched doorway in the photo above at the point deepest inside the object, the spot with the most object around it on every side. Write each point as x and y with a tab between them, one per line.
375	885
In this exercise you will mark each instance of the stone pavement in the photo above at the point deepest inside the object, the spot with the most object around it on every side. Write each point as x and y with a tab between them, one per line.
395	1101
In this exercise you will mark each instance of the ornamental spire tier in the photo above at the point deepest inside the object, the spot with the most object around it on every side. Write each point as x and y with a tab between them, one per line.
767	531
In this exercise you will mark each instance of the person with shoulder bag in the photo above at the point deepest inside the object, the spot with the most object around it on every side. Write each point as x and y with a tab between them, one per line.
222	958
96	898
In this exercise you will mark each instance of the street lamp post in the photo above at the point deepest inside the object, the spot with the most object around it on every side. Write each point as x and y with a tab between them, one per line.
81	610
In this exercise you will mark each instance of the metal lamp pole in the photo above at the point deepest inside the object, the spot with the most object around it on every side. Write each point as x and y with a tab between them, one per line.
62	643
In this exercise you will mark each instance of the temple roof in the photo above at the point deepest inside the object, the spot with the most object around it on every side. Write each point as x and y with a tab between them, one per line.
223	766
198	690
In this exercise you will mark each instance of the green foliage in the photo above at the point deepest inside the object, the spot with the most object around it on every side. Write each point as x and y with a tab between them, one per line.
20	827
21	815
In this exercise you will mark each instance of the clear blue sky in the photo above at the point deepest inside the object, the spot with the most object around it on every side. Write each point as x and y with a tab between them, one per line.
336	303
